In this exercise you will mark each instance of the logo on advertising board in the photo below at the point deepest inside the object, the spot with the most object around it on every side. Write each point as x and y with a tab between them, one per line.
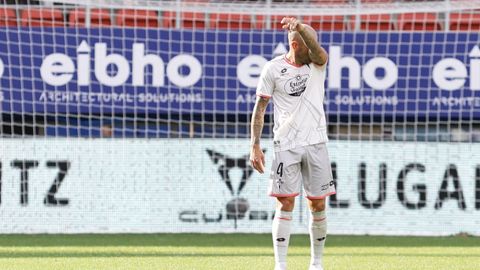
237	207
111	72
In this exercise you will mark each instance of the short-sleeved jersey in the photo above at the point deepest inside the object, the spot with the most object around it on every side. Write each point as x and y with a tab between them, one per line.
297	93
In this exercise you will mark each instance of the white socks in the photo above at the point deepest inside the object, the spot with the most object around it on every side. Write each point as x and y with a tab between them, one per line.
318	234
281	237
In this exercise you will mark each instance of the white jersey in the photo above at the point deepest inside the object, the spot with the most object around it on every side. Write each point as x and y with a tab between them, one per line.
298	93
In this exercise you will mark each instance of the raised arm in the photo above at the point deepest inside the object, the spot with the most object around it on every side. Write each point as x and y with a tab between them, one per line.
317	53
257	158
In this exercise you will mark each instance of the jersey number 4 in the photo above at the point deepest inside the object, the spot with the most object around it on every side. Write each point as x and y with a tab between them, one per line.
280	169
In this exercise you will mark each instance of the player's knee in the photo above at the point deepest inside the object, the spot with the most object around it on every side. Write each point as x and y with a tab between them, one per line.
286	204
317	205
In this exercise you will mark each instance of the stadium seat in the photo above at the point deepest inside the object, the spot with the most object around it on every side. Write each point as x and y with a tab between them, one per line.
275	21
98	17
192	20
8	17
42	17
261	21
418	22
465	21
377	1
169	19
375	22
187	19
326	23
230	21
136	18
331	2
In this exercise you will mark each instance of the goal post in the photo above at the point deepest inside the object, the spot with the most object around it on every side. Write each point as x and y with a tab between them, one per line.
133	116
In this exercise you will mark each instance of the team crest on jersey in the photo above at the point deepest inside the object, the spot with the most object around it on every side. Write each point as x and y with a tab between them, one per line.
296	85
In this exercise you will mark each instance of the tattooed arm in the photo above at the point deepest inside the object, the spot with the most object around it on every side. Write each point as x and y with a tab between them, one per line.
317	53
257	158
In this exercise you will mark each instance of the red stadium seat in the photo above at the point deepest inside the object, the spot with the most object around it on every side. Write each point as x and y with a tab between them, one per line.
376	22
261	21
8	17
169	19
187	19
275	21
136	18
465	21
258	22
326	23
230	21
193	20
42	17
376	1
418	22
98	17
331	2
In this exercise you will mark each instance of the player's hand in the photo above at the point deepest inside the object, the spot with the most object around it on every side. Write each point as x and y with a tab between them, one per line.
257	158
291	24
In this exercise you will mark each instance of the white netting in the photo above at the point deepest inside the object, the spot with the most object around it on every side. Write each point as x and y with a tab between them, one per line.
146	104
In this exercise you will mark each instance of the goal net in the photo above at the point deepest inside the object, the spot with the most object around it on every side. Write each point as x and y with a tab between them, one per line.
133	116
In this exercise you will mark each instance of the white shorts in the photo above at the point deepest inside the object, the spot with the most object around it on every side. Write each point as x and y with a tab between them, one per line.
309	165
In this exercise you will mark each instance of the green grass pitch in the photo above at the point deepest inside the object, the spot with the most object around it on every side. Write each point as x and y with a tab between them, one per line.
232	251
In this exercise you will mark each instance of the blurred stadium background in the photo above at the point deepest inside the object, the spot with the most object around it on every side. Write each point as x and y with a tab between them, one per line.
133	117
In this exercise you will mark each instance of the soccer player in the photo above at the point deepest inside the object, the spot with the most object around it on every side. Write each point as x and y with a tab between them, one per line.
295	81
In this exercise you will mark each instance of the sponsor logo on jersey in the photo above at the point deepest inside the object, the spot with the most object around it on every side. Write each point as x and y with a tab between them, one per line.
296	85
